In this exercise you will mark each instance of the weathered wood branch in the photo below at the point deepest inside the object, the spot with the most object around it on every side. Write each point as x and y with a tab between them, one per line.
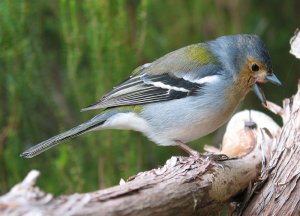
280	189
295	44
183	186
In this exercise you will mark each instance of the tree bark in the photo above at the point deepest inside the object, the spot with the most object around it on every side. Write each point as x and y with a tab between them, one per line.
295	44
280	189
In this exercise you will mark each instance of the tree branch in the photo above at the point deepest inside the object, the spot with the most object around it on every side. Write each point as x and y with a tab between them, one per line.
280	186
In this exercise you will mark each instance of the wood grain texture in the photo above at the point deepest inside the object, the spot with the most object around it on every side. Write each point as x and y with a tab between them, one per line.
279	194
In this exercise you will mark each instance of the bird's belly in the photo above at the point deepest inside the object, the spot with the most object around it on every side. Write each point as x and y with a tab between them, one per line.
192	132
186	132
171	122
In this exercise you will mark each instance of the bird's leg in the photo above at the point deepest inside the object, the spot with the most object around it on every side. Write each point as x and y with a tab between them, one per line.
209	158
188	149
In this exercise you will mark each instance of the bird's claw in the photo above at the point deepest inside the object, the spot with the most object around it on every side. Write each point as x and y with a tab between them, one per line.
215	159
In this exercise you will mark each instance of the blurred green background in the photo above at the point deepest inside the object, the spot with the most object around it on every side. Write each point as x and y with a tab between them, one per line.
58	56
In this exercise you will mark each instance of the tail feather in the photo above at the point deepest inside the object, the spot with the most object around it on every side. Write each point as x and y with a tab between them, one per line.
74	132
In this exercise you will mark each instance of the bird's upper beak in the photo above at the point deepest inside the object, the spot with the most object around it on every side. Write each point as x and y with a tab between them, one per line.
260	94
273	79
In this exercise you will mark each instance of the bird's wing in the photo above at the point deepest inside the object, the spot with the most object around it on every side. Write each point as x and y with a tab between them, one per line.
178	74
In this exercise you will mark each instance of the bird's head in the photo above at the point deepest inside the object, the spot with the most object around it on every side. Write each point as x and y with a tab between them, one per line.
260	71
248	58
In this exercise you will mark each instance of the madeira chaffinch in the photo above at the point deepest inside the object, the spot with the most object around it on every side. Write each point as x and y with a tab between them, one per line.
182	96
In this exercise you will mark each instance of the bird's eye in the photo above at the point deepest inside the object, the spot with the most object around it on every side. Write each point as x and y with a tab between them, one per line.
255	67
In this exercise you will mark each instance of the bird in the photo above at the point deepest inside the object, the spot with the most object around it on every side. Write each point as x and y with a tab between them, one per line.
181	96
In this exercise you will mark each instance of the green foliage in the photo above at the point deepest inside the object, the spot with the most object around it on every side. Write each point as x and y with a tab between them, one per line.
59	56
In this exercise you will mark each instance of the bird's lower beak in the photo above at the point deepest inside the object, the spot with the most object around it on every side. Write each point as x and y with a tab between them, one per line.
273	79
260	94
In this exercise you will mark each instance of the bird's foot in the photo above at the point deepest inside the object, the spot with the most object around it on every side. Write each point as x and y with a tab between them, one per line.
216	159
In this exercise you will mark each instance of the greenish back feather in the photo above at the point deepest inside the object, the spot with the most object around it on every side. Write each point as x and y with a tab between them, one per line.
200	53
185	59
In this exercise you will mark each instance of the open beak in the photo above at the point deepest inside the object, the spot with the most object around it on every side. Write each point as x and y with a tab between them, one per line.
260	94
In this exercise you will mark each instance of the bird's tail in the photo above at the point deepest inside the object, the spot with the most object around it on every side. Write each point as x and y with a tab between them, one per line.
74	132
